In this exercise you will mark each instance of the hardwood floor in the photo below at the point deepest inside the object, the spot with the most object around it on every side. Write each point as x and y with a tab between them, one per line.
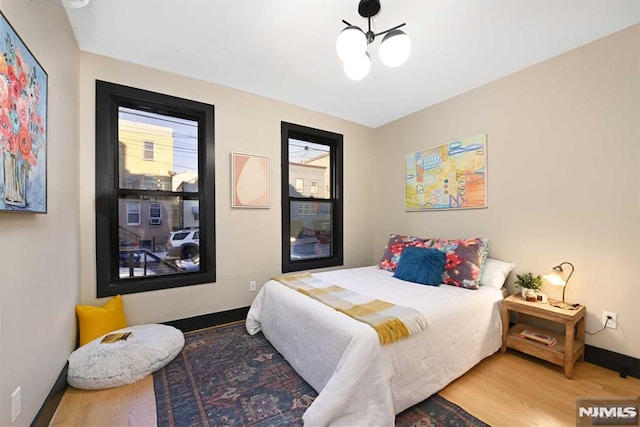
516	389
129	405
503	390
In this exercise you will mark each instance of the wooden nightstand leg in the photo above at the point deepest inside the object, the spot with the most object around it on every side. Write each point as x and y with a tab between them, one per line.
580	335
505	326
568	349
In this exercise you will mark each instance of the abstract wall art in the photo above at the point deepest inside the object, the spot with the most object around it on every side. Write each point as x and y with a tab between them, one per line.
250	181
449	176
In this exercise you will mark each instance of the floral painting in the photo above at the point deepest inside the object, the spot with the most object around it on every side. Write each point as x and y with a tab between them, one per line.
23	126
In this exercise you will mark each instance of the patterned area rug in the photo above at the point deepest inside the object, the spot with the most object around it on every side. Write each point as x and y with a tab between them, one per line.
226	377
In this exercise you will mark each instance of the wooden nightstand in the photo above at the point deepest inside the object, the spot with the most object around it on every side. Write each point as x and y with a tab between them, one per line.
568	349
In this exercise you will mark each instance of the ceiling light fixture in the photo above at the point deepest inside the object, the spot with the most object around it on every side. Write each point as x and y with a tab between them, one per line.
352	44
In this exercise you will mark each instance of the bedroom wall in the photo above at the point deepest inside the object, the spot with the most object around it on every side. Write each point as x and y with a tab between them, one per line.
563	175
39	254
248	240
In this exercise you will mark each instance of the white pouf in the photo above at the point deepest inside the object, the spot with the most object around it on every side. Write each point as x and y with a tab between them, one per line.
96	366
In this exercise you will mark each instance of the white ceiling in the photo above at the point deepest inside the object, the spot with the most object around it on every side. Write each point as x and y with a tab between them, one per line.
285	49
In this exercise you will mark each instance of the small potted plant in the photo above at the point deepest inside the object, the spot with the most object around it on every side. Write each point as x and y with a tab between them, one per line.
529	284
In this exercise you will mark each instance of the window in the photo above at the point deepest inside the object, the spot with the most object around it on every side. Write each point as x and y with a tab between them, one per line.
133	213
134	126
149	150
307	209
312	216
155	213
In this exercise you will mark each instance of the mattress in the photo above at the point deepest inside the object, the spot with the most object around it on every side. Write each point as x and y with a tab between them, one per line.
358	380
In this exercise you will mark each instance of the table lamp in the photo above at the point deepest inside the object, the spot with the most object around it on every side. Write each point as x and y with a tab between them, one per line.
555	278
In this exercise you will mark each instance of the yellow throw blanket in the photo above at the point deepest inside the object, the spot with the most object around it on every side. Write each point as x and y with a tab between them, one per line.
391	322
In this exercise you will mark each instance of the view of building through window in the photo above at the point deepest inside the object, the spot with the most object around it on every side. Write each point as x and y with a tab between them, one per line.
310	221
312	207
155	191
158	233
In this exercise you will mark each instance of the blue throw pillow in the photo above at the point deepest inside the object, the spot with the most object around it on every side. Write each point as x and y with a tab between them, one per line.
421	265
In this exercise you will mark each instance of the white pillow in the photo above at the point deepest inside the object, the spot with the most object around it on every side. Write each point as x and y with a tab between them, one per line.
495	272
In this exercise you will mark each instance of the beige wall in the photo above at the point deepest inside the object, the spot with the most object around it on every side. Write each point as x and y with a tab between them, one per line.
563	175
248	240
39	254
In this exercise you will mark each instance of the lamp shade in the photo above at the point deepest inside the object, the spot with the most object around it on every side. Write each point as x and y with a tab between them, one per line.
555	278
358	67
395	48
351	43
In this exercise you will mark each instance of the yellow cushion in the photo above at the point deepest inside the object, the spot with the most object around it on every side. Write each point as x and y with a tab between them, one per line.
97	321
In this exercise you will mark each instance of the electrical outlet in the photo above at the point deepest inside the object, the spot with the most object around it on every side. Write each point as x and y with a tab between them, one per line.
252	286
16	403
613	322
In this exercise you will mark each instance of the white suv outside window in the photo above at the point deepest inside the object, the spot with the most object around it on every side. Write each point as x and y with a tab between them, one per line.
183	244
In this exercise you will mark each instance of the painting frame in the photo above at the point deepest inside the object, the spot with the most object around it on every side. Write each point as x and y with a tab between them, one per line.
23	125
450	176
250	181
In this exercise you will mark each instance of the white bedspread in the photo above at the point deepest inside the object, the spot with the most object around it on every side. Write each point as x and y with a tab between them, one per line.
360	381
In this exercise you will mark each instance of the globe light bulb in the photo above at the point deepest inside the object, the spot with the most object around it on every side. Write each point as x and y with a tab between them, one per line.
351	43
358	67
395	48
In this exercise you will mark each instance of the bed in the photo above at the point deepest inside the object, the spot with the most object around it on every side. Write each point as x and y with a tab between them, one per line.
360	381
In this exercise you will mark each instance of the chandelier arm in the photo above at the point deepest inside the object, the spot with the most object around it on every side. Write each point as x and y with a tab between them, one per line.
346	23
391	29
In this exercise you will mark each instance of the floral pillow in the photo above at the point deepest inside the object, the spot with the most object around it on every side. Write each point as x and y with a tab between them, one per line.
394	248
465	260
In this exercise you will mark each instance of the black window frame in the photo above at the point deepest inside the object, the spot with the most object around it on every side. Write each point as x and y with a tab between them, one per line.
334	141
109	98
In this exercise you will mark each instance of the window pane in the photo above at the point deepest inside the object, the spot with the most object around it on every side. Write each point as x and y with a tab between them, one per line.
311	230
167	244
157	152
155	213
309	169
155	210
133	213
149	150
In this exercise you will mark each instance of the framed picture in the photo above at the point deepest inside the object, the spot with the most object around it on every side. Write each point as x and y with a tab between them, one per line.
450	176
23	126
250	181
